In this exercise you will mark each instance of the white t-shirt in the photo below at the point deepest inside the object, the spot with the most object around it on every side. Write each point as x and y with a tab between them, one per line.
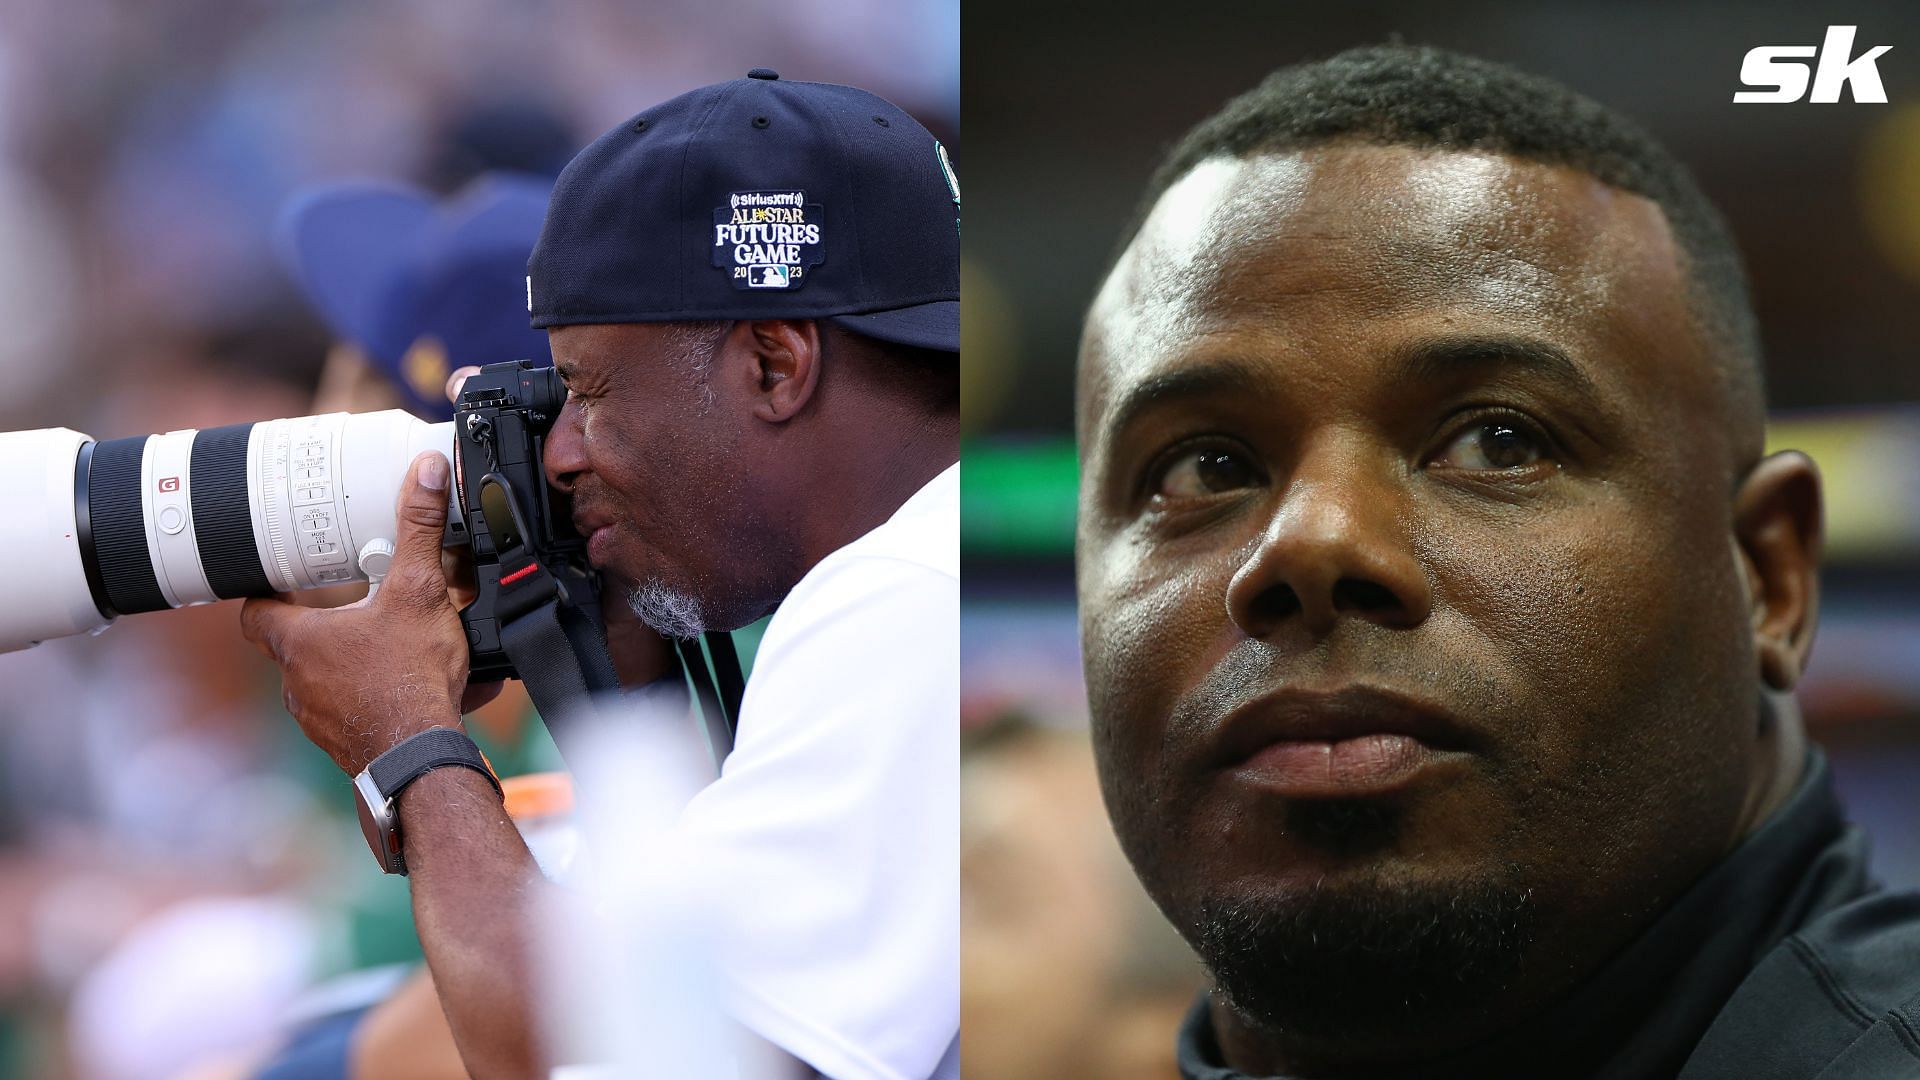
833	829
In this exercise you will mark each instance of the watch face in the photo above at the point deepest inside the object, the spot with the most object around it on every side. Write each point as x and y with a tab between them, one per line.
377	824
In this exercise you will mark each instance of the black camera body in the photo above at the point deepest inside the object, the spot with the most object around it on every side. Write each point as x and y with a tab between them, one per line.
526	553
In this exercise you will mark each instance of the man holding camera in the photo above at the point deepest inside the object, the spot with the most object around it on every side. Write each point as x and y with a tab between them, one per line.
752	293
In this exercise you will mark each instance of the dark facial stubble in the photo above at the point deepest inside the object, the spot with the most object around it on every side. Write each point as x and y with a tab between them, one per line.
1365	960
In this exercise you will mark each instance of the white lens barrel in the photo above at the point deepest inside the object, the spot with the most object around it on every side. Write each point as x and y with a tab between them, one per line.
48	595
98	530
325	485
167	479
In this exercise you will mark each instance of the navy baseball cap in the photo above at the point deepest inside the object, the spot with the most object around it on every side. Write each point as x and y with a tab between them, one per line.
422	285
758	198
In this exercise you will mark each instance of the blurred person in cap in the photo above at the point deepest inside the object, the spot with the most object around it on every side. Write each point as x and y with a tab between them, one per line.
752	293
414	286
1441	607
1068	970
410	284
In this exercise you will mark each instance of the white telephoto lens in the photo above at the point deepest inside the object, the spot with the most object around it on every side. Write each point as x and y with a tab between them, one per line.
190	517
324	486
48	596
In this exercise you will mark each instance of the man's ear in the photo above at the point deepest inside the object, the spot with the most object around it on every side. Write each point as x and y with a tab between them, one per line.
786	355
1776	523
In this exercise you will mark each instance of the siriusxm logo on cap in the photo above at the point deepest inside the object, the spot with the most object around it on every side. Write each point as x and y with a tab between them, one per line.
761	198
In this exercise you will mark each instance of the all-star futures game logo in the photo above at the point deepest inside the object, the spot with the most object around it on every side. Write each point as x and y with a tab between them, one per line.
767	239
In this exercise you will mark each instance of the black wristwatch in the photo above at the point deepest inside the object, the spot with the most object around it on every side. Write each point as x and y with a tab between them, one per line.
386	776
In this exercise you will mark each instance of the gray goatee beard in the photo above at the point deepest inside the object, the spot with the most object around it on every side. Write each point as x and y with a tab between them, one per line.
670	612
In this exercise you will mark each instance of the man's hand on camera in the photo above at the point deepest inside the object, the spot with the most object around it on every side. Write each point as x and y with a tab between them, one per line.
363	677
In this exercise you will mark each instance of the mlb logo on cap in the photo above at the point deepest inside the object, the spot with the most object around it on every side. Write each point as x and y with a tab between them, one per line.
767	276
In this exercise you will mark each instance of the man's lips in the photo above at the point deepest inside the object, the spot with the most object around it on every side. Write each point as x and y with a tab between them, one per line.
1340	743
597	530
597	543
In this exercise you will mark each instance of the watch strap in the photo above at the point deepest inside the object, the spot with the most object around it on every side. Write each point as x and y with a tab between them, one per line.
419	754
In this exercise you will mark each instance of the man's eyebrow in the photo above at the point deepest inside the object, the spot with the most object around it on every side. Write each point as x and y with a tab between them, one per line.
1446	356
1223	377
1426	359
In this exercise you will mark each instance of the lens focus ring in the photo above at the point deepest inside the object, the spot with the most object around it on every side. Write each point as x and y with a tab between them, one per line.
119	526
222	523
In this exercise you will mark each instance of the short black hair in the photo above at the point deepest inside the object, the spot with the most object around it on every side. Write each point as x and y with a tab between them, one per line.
1419	96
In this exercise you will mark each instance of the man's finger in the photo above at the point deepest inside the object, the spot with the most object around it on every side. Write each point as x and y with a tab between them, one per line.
263	621
456	565
457	379
422	517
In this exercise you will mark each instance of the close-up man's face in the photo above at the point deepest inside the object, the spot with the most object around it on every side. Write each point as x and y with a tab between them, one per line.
1414	621
652	453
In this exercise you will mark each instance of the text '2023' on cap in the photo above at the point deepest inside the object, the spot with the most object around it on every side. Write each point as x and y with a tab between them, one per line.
758	198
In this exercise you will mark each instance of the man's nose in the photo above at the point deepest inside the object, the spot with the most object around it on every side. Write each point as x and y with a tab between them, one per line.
565	456
1338	545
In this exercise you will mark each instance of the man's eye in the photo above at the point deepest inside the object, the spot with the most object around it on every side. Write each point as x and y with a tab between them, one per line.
1493	445
1205	471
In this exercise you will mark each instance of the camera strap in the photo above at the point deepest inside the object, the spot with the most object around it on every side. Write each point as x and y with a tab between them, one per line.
548	618
562	658
560	653
718	711
730	684
549	627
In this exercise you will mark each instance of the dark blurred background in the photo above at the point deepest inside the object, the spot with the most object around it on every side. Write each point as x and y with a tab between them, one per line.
1070	108
1072	113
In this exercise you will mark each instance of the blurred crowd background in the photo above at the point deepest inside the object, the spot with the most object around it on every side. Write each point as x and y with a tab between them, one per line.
179	869
1070	113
